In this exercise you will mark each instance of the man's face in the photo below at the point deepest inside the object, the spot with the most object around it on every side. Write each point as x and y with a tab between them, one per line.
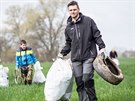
73	11
23	46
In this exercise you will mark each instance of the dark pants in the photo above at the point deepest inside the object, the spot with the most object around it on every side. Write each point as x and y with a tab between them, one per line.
26	73
84	72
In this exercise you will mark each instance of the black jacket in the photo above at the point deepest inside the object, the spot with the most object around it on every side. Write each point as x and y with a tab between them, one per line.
113	54
81	39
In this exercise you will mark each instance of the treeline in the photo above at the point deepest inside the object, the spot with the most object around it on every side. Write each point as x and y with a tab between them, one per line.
42	26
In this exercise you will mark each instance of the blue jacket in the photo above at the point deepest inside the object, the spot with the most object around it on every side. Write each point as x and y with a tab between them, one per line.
25	57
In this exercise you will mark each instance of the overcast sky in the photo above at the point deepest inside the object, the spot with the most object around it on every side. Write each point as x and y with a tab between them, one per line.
114	18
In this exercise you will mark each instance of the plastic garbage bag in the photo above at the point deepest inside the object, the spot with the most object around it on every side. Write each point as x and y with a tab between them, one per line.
38	76
67	95
59	81
4	82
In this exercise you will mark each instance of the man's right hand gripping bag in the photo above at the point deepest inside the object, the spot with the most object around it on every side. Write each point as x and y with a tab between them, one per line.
59	79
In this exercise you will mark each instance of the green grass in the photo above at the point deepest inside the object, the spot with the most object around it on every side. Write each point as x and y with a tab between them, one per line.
125	91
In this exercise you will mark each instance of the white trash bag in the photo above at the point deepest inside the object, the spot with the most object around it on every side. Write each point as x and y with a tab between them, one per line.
59	81
67	95
38	76
4	82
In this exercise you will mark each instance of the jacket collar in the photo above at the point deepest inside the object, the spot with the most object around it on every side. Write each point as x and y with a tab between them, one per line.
22	49
69	20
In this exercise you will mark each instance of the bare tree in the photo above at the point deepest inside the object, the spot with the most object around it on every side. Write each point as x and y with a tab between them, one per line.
55	15
49	25
15	19
6	47
44	24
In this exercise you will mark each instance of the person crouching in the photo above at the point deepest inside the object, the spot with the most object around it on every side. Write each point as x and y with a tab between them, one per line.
25	59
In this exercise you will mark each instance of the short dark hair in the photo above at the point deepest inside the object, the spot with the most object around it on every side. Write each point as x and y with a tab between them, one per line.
73	3
23	42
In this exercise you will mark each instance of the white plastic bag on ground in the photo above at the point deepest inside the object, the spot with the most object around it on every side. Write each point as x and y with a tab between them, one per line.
59	81
67	95
38	76
4	82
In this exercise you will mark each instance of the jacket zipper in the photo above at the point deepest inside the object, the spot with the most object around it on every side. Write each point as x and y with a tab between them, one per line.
78	38
77	34
91	52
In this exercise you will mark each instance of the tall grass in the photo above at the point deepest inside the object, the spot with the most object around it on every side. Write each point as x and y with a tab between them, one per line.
125	91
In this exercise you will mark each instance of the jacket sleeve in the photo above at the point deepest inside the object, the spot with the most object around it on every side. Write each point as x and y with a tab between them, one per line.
67	47
17	60
97	36
33	57
116	54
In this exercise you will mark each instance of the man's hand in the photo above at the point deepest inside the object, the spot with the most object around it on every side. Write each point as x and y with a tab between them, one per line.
60	56
103	53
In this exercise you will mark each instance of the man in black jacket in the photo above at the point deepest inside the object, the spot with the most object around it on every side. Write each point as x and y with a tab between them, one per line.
82	35
113	54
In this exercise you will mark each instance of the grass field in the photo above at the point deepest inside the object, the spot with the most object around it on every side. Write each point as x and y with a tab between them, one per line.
125	91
